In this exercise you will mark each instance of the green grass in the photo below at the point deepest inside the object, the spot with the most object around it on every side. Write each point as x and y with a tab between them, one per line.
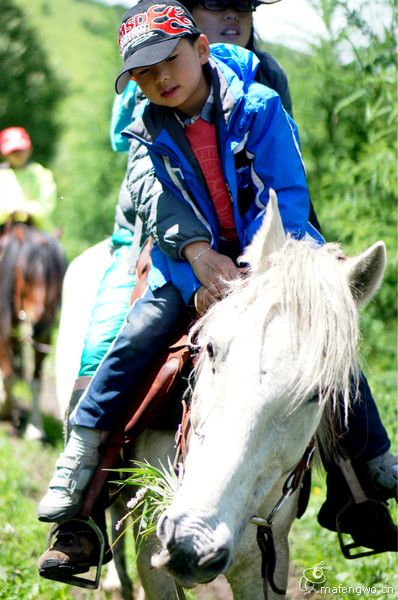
24	472
81	40
25	469
310	544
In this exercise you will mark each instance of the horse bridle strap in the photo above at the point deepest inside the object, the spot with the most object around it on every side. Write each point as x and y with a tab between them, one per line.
265	538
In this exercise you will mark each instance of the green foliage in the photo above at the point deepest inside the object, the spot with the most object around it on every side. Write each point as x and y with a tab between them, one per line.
29	87
156	488
81	40
353	159
344	96
22	537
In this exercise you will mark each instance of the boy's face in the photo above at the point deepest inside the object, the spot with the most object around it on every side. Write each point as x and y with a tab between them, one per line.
178	81
18	158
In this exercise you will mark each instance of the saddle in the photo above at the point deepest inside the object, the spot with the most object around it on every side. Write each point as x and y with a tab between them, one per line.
156	403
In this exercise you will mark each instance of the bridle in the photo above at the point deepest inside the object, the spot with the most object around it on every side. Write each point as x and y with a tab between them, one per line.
265	538
22	316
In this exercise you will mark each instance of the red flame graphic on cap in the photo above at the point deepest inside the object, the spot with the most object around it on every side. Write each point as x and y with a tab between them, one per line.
171	20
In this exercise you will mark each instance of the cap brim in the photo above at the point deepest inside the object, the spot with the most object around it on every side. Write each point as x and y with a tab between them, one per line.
144	57
9	148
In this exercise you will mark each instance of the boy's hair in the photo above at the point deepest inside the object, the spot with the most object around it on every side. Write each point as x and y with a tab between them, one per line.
149	33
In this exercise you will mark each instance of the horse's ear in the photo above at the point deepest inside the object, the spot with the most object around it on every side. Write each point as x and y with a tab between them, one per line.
269	238
365	272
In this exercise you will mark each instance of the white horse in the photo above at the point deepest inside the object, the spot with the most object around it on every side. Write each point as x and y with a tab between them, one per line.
277	352
81	283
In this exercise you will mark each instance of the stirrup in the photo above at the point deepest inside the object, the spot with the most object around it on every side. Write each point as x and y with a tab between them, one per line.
382	537
91	584
369	511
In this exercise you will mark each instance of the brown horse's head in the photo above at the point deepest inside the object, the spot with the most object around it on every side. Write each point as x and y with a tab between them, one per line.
32	266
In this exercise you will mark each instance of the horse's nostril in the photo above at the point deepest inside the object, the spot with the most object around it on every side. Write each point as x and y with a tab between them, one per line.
215	562
162	530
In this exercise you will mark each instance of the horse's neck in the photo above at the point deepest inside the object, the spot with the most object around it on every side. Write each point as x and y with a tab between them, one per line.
245	575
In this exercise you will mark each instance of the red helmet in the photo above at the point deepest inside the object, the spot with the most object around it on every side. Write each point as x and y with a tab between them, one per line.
13	139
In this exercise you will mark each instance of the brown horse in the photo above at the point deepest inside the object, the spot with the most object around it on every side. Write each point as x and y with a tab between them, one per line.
32	267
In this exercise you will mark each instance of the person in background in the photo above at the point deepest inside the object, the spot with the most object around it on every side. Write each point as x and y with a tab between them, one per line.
27	189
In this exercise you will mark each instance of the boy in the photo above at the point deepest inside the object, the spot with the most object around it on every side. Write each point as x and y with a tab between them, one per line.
27	190
218	142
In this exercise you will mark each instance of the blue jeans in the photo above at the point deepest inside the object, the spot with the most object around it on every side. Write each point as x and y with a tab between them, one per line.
150	327
366	436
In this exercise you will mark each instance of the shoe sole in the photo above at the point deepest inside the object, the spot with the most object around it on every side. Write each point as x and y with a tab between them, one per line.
58	571
59	516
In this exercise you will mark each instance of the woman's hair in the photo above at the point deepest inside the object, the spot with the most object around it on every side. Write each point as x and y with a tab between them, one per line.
250	44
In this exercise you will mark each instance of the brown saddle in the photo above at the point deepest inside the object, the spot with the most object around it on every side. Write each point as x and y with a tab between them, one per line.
154	402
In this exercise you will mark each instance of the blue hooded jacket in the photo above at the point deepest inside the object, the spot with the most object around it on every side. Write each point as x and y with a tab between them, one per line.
259	150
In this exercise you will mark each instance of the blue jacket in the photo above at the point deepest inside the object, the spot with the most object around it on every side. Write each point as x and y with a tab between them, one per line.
258	148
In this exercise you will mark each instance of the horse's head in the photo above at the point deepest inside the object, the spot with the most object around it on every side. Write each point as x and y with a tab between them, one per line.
32	267
276	350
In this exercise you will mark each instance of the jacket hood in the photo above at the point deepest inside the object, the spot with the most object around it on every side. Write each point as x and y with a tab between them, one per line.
233	60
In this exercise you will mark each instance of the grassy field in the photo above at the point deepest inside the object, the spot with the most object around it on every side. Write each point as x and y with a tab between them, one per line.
80	38
25	468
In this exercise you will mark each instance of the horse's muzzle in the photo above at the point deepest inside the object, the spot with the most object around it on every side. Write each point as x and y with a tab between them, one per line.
192	552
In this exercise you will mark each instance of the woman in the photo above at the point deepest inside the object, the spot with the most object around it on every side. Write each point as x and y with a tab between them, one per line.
232	23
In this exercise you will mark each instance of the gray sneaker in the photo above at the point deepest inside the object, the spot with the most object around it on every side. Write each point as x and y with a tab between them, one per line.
64	496
383	474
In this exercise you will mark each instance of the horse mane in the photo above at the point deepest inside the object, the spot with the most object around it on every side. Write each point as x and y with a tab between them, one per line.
39	259
306	282
8	260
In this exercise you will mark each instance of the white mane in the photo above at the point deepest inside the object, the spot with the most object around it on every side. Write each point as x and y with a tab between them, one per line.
279	349
308	284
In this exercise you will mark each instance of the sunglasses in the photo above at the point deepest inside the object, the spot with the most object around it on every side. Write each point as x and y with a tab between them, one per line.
221	5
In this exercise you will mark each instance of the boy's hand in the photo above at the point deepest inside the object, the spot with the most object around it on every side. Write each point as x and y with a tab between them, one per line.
204	298
210	267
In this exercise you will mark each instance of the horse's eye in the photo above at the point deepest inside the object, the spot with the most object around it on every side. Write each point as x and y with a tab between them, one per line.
210	350
313	400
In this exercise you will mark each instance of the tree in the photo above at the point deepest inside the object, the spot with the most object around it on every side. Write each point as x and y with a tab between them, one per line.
29	89
351	152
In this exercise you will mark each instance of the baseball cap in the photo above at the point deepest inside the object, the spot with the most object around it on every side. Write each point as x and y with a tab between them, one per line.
149	33
13	139
190	4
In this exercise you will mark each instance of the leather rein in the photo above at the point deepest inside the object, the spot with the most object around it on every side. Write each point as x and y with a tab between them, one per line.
265	538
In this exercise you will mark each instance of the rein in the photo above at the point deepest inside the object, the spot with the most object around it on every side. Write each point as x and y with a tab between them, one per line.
265	538
23	317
